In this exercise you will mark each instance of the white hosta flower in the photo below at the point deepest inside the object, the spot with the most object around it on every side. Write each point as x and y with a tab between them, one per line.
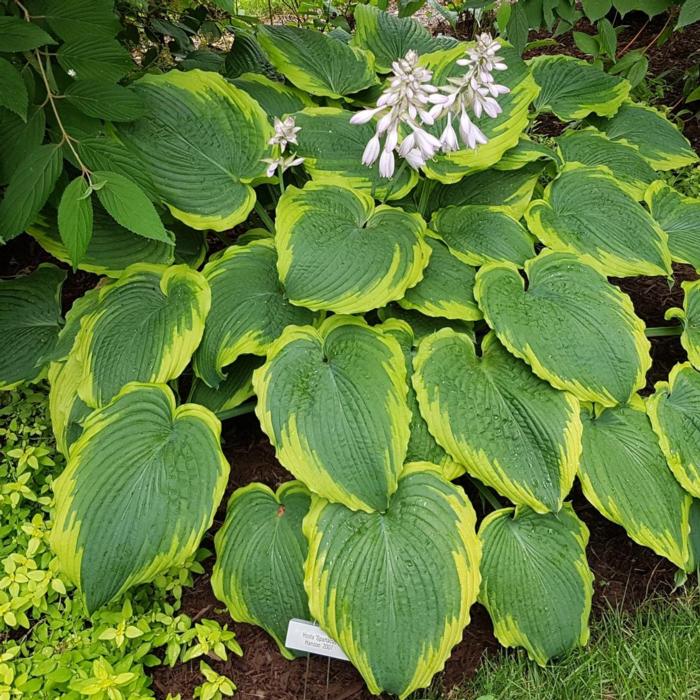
71	73
283	162
408	101
285	133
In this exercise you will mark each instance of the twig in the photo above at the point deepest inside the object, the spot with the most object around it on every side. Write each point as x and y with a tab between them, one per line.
632	40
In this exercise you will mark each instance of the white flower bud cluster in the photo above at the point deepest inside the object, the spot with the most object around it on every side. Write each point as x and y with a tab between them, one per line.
285	133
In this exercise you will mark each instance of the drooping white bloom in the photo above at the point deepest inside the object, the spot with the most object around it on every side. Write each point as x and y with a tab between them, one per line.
283	162
71	72
475	91
285	133
407	101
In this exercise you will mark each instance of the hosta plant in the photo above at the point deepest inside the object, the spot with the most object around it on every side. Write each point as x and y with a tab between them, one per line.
416	298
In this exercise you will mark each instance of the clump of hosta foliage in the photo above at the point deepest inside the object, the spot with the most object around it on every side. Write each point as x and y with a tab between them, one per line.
429	299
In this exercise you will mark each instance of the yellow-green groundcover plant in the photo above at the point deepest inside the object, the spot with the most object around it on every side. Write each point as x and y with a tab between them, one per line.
413	291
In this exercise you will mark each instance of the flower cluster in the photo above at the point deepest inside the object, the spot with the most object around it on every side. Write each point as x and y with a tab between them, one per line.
285	133
412	101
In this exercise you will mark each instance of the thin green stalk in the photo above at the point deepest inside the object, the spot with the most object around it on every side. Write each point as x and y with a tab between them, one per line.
265	217
426	190
394	180
663	331
280	176
487	494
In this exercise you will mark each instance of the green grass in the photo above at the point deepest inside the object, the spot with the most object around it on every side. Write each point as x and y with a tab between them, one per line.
652	653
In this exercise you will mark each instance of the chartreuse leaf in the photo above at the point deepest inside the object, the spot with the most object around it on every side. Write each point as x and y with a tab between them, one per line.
317	63
13	91
79	18
95	58
689	316
249	308
232	392
75	219
30	321
198	128
572	89
536	582
658	140
277	99
145	327
389	37
111	249
260	554
29	189
446	289
510	429
572	326
18	35
394	588
99	99
332	149
592	148
674	411
586	211
381	249
624	474
332	401
478	234
421	444
502	132
141	487
679	216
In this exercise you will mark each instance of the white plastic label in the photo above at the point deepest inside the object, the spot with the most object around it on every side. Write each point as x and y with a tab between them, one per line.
303	635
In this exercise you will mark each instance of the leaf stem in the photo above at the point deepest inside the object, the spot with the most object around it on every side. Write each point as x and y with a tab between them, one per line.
487	494
393	180
264	217
663	331
281	179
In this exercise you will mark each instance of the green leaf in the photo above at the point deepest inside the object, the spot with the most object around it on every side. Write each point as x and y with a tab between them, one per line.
593	148
80	308
75	219
250	308
277	99
689	14
140	489
67	410
18	35
95	58
129	206
145	328
246	56
526	152
332	149
199	128
479	234
658	140
537	585
573	89
18	139
650	7
595	9
422	325
689	316
608	37
73	20
586	43
29	189
333	403
394	588
30	321
517	29
382	249
260	554
640	493
98	99
389	37
585	211
679	217
13	92
317	63
510	429
572	326
674	411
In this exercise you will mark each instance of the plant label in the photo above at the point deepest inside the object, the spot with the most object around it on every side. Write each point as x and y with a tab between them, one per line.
303	635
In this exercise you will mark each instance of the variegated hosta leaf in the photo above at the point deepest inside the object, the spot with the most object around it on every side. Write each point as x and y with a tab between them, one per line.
573	327
30	322
480	234
337	251
525	152
592	148
201	141
317	63
81	307
693	563
389	37
572	89
231	392
502	132
623	473
332	149
679	216
446	289
67	410
689	316
509	428
333	403
421	444
260	554
674	411
586	211
536	583
141	488
277	99
145	327
658	140
394	588
249	308
422	325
